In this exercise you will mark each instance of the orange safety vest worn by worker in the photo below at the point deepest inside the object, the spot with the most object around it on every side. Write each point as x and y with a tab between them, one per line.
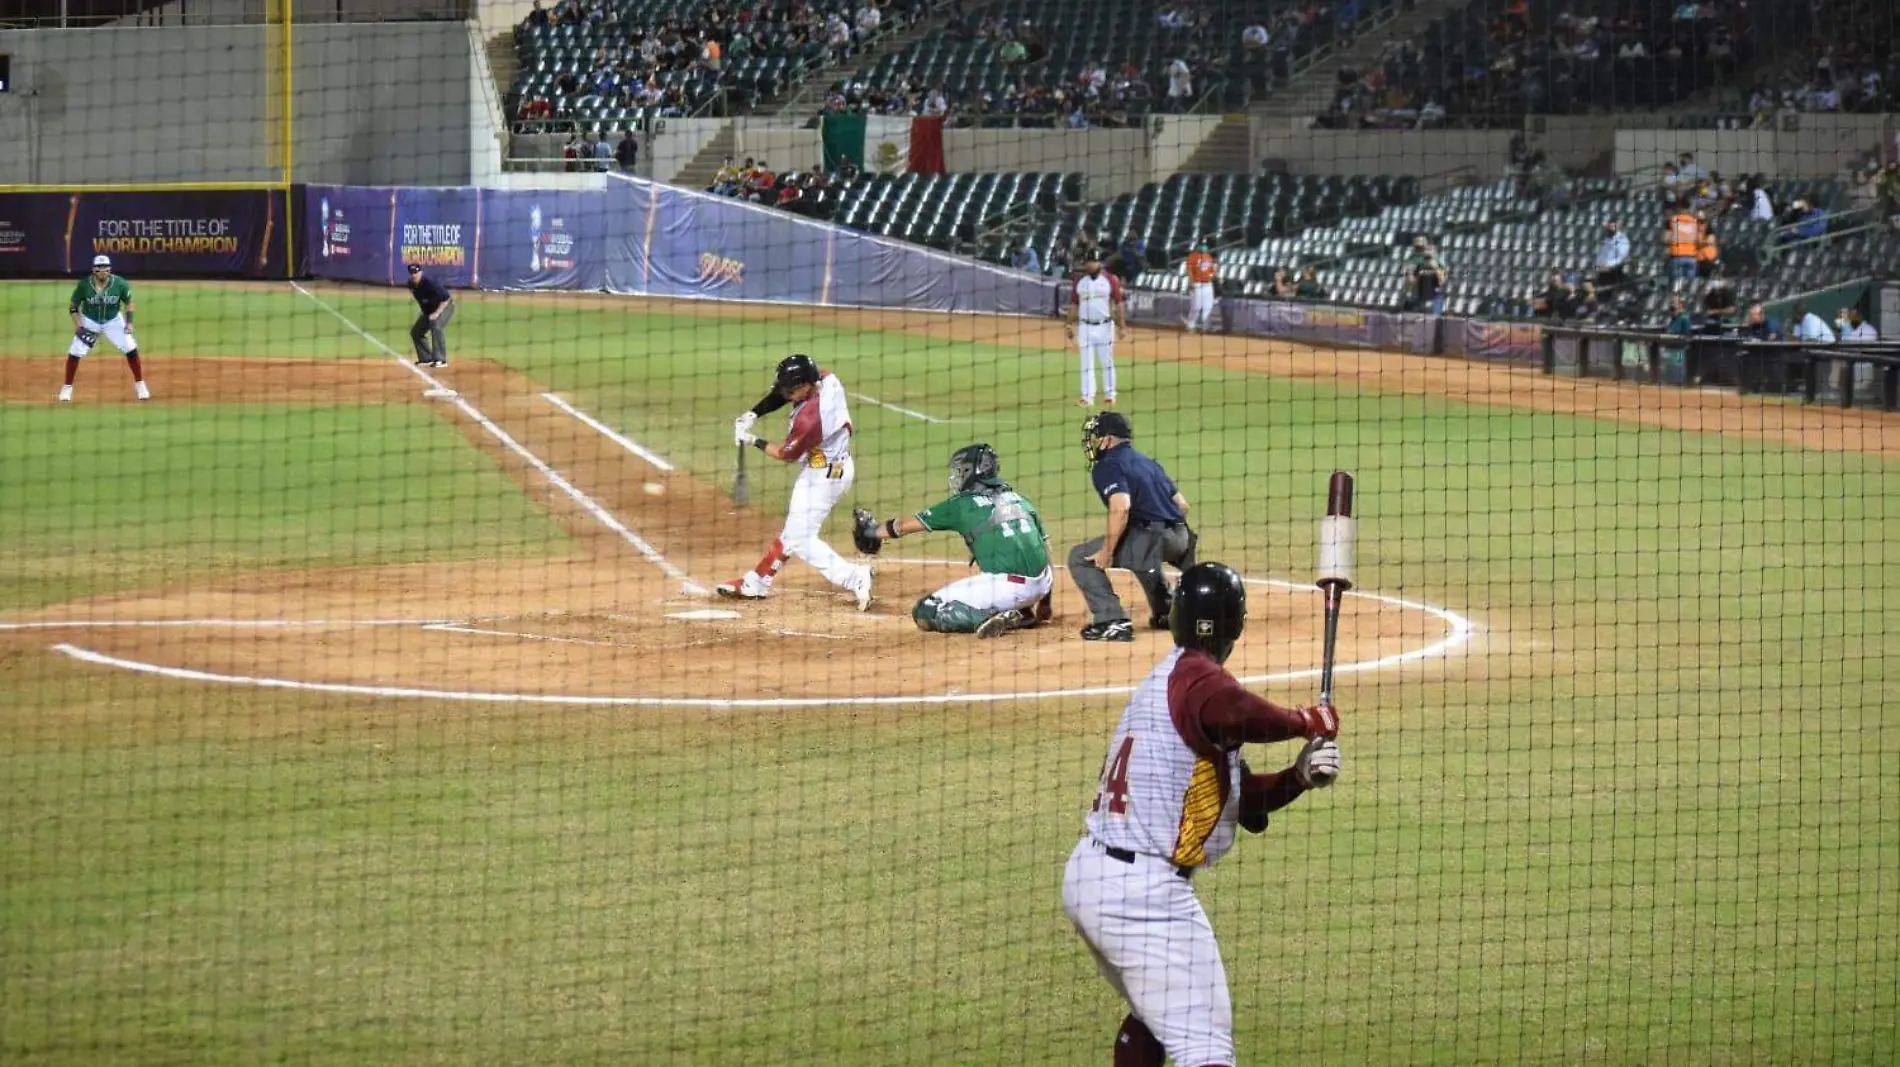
1685	236
1200	267
1706	250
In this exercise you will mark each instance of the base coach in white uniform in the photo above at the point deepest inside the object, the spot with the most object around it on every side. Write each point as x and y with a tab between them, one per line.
1172	790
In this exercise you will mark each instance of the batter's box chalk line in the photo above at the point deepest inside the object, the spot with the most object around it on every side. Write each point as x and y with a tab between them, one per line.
1460	630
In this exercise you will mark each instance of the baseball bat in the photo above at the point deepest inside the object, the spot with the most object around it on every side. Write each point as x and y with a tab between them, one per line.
740	492
1337	534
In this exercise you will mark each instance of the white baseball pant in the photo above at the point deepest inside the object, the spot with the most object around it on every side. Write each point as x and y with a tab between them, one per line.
1200	305
1096	342
814	494
998	592
115	331
1152	941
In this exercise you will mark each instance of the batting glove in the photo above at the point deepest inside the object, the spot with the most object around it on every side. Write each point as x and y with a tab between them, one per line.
1320	720
743	424
1318	765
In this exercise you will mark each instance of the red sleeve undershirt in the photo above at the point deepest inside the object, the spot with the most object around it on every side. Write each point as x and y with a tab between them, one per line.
1114	289
807	430
1215	714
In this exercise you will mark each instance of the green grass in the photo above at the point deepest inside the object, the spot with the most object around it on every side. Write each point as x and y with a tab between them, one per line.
1649	821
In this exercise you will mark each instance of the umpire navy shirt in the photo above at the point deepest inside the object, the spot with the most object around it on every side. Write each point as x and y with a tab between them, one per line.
1151	493
430	294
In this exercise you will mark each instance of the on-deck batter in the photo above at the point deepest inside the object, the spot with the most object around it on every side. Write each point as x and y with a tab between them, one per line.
1172	789
818	437
1096	310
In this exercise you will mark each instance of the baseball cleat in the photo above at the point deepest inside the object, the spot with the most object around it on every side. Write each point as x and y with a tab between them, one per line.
1001	623
1084	402
863	589
736	590
1118	630
1108	401
139	390
65	394
1159	622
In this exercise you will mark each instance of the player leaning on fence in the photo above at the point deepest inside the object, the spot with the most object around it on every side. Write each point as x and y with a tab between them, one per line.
101	306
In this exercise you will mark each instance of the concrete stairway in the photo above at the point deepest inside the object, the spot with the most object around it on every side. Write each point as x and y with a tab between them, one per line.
809	96
698	173
1228	150
1311	91
504	63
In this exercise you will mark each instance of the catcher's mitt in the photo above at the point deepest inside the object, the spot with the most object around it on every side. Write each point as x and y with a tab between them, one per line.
864	532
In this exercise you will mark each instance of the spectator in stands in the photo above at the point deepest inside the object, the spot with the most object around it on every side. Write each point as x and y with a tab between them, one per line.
791	196
571	152
726	179
1854	329
1757	326
1672	186
1180	86
1682	236
1557	299
1130	259
1708	252
1428	285
603	156
1282	287
538	16
1613	255
1026	258
1809	222
1012	51
1761	205
1083	248
1718	301
627	152
1808	326
1689	169
1586	305
759	184
1310	287
1681	323
847	171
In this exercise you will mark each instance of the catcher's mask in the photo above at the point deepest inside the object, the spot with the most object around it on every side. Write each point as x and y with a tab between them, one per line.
1209	609
1100	425
794	371
972	464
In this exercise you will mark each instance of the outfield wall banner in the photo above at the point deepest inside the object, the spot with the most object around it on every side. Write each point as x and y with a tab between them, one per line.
159	234
437	229
1515	342
349	232
541	239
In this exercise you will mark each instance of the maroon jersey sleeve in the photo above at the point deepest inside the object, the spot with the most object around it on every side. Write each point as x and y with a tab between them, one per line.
1263	794
807	430
1213	712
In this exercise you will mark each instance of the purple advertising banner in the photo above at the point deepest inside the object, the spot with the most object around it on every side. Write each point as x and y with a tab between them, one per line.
1516	342
167	234
541	239
349	231
437	229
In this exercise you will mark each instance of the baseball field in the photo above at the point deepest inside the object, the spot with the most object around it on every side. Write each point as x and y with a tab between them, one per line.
356	715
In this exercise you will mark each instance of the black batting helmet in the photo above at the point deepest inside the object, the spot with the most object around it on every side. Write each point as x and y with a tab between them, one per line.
1209	609
795	370
973	464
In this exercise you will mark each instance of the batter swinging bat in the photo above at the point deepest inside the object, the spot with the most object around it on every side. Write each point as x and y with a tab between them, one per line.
1337	532
739	490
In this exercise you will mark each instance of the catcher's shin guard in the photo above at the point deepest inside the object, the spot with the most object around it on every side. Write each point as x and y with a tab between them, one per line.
947	616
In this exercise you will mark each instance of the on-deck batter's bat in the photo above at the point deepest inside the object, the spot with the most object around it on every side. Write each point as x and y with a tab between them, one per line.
1337	532
740	493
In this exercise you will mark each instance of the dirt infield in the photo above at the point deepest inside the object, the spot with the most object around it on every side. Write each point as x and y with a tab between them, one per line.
606	624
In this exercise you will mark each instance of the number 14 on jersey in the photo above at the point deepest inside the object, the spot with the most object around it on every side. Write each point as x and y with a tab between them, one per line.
1112	793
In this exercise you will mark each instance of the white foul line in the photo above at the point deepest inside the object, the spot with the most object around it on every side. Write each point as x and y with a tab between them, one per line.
250	624
894	407
1462	630
452	628
608	432
588	503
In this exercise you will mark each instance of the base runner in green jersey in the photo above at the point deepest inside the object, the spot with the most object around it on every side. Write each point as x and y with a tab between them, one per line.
101	306
1005	537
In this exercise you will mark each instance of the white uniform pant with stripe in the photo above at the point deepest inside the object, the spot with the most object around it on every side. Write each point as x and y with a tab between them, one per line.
816	492
1096	342
115	331
1200	305
998	592
1152	941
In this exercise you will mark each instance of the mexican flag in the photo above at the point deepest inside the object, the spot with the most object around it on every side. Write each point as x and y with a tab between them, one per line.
885	144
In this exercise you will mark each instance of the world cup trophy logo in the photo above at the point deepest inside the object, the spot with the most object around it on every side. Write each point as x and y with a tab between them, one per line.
534	238
323	213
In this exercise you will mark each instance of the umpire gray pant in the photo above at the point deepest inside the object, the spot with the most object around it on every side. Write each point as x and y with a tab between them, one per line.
1144	547
427	334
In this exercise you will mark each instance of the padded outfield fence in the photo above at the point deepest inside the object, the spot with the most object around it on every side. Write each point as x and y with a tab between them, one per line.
361	710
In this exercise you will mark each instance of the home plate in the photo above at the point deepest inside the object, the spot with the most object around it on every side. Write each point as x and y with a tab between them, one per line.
438	392
705	615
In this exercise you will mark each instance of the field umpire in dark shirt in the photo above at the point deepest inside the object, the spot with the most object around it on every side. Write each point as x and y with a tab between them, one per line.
1147	526
438	307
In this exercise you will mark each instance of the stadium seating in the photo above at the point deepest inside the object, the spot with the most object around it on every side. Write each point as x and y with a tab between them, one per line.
1501	247
948	210
1078	33
606	99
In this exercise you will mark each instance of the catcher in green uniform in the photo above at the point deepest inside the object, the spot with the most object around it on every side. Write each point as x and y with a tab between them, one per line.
1005	537
101	306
